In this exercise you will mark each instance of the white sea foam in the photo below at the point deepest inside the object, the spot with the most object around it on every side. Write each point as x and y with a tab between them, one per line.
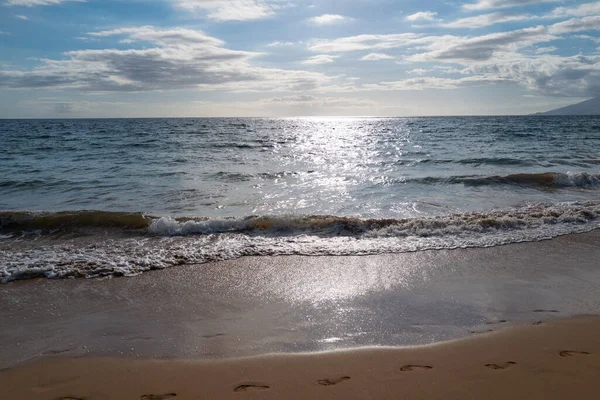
193	242
579	179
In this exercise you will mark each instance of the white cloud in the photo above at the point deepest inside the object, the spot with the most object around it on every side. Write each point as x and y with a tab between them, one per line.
544	50
163	37
480	21
491	4
448	70
481	48
421	16
581	10
377	57
588	37
447	48
515	57
329	19
33	3
232	10
177	59
433	83
313	101
320	59
549	75
23	17
576	25
281	44
363	42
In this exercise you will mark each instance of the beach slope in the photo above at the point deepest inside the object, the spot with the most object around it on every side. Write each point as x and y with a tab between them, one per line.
554	360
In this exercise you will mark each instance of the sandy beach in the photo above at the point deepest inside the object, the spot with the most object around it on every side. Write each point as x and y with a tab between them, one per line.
555	360
474	323
276	199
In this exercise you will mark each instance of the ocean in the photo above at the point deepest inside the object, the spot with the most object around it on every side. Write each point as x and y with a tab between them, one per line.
117	197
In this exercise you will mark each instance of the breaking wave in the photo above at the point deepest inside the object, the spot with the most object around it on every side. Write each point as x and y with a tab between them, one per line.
70	220
156	243
538	180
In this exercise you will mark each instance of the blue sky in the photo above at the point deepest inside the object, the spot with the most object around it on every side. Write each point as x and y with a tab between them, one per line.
134	58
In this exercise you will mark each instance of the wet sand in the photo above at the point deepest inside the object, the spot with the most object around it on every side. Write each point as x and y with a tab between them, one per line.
305	327
264	305
555	360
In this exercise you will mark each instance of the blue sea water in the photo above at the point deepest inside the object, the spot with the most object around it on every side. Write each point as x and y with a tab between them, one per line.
162	192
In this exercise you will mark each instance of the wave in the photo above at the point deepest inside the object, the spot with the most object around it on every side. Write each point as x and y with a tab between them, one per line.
244	177
164	242
529	217
536	180
70	220
482	161
293	224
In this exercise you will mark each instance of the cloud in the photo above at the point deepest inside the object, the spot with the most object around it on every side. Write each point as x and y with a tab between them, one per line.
448	70
363	42
491	4
33	3
329	19
23	17
162	37
232	10
516	57
377	57
576	25
433	83
481	48
178	59
480	21
543	50
588	37
281	44
313	101
421	16
447	48
320	59
550	75
581	10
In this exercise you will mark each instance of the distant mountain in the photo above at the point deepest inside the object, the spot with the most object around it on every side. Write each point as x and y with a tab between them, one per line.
588	107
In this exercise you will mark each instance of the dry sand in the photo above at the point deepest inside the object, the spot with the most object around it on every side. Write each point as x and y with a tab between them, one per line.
554	360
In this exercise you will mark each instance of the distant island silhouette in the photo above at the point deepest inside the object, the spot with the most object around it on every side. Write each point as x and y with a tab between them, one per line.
588	107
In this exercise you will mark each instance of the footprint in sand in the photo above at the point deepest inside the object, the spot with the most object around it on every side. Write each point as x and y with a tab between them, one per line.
485	331
54	352
331	382
69	398
213	336
158	396
507	364
250	386
570	353
500	321
411	367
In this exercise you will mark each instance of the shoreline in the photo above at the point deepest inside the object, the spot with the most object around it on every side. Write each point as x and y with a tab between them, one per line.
549	361
99	244
294	304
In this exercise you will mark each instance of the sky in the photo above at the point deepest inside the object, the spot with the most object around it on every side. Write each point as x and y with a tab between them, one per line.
196	58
